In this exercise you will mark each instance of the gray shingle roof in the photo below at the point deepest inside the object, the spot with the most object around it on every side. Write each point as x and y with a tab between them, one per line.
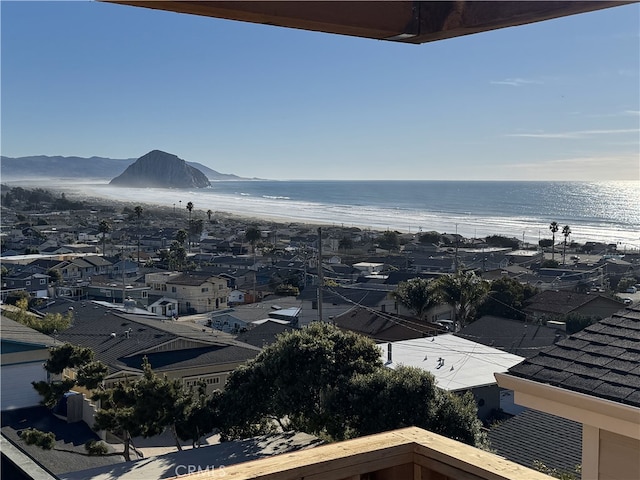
13	331
513	336
534	435
263	334
601	360
93	326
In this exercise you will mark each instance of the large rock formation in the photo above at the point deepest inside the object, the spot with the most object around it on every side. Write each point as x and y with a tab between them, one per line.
162	170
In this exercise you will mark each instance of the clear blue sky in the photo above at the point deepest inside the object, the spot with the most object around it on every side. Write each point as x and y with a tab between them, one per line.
556	100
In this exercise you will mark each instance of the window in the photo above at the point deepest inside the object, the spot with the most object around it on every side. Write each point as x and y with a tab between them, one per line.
28	282
145	294
204	289
173	289
43	281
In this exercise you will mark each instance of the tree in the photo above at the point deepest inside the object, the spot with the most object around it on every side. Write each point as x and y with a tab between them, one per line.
181	236
142	407
252	235
104	227
505	298
417	295
50	323
554	228
291	380
190	208
464	291
196	228
199	414
89	372
138	212
55	276
389	241
209	213
331	383
430	238
345	243
177	256
566	231
502	241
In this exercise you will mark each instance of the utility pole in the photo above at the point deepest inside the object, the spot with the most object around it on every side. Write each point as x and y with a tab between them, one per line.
320	275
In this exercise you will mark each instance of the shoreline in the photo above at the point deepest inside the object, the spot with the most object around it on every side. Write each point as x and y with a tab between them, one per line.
254	209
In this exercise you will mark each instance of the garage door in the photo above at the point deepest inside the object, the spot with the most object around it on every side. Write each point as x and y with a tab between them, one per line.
17	391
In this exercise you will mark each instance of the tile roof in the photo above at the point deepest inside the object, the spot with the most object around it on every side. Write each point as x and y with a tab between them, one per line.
602	360
533	435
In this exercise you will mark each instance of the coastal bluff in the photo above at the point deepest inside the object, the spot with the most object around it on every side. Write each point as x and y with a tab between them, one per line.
161	170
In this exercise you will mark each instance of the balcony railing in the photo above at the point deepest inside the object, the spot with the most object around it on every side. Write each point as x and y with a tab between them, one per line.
409	453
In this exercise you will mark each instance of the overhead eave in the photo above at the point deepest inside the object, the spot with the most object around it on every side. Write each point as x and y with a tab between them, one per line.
579	407
403	21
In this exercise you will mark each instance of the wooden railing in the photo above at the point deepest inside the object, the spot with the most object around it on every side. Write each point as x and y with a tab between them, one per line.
405	454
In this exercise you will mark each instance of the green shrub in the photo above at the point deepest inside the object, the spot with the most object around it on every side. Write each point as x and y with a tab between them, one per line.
94	447
44	440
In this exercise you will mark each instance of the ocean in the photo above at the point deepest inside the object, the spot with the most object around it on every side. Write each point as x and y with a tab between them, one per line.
595	211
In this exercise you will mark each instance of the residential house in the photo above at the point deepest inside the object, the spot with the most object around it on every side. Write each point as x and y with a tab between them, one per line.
592	378
264	333
552	304
385	327
458	365
178	349
195	293
521	338
23	352
164	307
117	292
36	284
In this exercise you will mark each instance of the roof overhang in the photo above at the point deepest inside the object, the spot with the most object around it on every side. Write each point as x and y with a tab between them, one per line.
402	21
579	407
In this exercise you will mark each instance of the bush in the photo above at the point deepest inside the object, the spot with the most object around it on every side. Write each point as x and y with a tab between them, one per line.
550	264
503	242
44	440
94	447
287	290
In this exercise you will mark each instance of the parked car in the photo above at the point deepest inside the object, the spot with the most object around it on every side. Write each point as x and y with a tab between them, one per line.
631	290
627	301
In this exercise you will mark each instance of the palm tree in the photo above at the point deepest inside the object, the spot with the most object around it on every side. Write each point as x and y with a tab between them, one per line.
104	227
464	291
189	207
417	295
252	235
566	231
138	212
209	213
554	228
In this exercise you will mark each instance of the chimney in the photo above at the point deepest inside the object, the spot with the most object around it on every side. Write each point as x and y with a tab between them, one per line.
389	355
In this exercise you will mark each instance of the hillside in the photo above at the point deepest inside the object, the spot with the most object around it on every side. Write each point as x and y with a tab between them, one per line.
80	168
161	169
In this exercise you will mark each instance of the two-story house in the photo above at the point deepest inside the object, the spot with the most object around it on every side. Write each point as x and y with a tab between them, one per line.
195	293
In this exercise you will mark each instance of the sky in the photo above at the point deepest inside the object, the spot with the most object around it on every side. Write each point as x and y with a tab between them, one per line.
555	100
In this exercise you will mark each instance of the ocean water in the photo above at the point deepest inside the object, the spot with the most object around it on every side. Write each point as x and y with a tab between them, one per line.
598	211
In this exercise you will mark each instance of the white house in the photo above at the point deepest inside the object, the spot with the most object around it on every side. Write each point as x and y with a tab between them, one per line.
457	364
